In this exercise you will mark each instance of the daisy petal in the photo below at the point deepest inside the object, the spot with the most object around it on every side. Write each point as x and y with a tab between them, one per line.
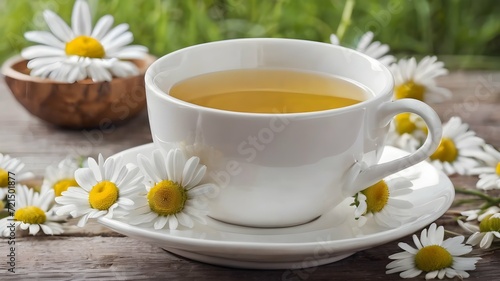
44	37
172	222
34	228
184	220
114	33
58	27
102	27
122	40
147	168
85	178
80	18
160	222
189	169
128	52
41	51
47	230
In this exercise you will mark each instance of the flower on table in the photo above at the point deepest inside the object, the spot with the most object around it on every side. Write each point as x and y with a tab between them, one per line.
382	202
15	167
105	186
487	231
408	131
61	176
417	81
71	54
434	256
458	148
371	48
32	212
173	191
489	173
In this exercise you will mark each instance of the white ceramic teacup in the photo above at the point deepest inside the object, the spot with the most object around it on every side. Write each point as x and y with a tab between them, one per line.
276	170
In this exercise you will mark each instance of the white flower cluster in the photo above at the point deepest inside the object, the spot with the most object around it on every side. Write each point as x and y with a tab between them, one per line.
460	151
164	191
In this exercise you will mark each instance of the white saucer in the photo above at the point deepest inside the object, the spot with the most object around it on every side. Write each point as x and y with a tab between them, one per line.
316	243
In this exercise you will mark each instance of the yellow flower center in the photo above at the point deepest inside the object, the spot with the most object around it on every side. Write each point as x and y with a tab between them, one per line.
489	224
404	124
446	151
377	196
167	198
4	178
30	214
410	90
63	185
433	257
85	46
103	195
497	170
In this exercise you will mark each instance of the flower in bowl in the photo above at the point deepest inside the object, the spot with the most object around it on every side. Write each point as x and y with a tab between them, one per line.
79	76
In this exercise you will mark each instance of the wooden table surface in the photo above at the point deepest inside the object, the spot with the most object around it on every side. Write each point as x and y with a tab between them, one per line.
95	252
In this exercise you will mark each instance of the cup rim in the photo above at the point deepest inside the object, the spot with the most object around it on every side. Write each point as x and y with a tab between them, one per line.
150	75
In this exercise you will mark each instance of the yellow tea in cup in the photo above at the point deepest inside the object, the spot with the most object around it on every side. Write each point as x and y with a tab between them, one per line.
269	91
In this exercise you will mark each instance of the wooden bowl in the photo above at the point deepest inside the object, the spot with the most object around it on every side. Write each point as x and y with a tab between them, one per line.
79	105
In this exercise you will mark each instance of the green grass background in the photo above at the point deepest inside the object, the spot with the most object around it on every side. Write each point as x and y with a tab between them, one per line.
463	33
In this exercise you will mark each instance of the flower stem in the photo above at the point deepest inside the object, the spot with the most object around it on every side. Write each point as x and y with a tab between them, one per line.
452	233
465	201
475	193
345	21
490	201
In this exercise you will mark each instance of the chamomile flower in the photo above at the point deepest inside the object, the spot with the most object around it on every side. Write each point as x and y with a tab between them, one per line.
173	191
13	166
382	203
489	175
434	256
408	131
71	54
484	234
458	148
417	81
32	212
371	48
105	185
61	176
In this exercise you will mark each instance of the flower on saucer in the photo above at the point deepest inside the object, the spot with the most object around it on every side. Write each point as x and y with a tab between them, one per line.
434	256
408	131
489	174
416	81
209	156
32	211
382	203
105	185
60	177
371	48
15	167
173	192
71	54
487	231
458	148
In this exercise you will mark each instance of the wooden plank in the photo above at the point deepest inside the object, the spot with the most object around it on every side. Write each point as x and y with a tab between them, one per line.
122	258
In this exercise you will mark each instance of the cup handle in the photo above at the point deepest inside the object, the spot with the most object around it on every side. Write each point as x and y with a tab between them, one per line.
365	177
